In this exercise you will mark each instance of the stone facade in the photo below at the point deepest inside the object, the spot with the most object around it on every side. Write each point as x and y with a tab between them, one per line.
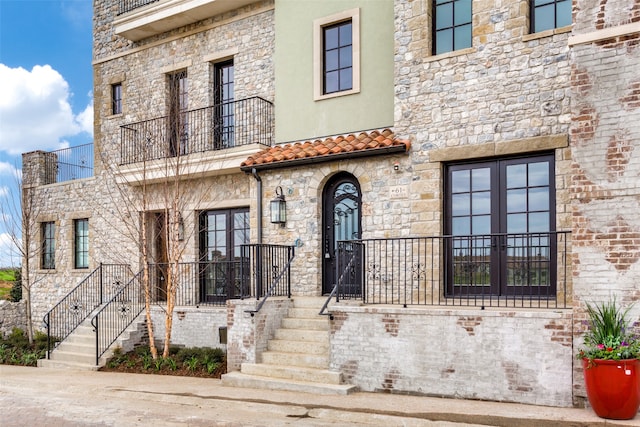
12	315
572	93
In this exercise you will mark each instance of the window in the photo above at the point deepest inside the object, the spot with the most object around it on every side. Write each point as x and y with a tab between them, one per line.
223	96
178	124
221	234
337	54
337	57
116	98
550	14
48	245
501	218
452	25
81	243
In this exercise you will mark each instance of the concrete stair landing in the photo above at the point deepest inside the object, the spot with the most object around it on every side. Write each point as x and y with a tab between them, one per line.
297	358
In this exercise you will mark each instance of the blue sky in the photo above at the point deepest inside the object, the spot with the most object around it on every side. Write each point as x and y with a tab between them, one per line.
46	82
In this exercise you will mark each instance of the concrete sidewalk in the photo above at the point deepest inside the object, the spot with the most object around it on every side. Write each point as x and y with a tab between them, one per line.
40	396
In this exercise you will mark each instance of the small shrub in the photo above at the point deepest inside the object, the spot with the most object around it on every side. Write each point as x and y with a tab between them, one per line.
158	363
192	363
147	361
171	363
211	367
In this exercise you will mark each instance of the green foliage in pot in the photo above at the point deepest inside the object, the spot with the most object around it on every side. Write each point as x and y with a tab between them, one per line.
608	336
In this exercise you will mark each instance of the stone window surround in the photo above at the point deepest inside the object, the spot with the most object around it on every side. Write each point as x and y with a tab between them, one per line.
525	38
114	80
502	148
318	25
71	232
41	244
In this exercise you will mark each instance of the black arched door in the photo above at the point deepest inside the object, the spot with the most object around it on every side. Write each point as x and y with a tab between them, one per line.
341	220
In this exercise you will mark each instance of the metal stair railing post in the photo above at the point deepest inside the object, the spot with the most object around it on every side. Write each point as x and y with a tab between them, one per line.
286	269
340	279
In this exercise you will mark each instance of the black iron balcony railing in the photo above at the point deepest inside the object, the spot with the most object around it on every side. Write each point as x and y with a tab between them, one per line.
531	270
222	126
68	164
125	6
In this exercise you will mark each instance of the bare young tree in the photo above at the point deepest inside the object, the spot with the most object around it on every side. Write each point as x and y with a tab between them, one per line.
19	211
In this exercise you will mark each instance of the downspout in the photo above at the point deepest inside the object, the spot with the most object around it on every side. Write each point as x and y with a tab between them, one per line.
257	177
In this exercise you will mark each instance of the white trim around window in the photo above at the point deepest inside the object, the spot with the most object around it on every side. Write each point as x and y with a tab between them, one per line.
318	25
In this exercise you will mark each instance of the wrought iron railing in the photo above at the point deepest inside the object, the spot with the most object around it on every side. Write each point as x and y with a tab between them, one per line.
117	314
531	270
218	127
78	304
199	283
269	269
68	164
129	5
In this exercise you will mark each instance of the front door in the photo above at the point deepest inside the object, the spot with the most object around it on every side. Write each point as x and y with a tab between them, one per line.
341	220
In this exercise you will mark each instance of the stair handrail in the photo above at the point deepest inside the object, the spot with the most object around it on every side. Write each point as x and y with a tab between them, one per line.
77	308
128	296
276	282
335	288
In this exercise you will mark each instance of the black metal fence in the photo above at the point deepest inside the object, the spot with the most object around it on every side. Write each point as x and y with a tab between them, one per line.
68	164
531	270
77	305
218	127
129	5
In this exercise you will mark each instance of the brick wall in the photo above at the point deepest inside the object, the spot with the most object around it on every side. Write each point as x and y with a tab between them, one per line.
513	356
605	133
192	326
248	335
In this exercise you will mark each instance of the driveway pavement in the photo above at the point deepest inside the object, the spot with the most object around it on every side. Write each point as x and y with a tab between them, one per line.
37	397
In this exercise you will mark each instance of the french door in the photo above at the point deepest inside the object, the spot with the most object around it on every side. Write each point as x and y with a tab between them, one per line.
223	94
500	223
222	232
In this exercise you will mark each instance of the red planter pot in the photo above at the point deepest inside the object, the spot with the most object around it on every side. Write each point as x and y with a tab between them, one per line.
613	387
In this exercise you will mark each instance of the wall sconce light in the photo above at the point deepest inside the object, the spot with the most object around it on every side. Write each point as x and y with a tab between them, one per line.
396	166
279	208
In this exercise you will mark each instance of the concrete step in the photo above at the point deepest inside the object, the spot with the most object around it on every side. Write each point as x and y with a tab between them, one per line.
59	364
291	346
70	356
311	324
292	372
309	302
302	335
304	313
239	379
295	359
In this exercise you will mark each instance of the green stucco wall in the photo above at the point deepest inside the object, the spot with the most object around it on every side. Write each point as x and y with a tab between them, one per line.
298	116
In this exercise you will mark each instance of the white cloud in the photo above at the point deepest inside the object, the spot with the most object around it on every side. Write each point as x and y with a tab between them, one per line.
8	169
9	254
4	191
35	112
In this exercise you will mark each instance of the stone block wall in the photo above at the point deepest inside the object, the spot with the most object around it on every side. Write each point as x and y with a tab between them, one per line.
12	315
506	355
246	35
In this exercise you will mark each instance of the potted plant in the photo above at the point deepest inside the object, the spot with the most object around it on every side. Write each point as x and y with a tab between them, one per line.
610	362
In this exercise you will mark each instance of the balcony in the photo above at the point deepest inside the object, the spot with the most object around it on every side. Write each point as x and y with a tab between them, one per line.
138	19
207	141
